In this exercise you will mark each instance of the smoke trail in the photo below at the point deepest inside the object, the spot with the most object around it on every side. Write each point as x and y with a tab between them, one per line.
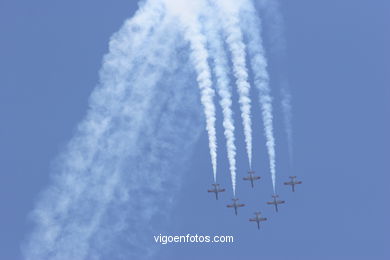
221	69
229	18
274	20
188	14
116	155
251	25
287	108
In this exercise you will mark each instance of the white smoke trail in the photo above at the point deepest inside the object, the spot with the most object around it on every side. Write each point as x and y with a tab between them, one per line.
188	14
221	69
116	155
273	20
275	23
229	18
287	114
251	25
118	176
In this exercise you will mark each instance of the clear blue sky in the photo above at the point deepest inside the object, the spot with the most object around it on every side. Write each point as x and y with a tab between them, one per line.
338	67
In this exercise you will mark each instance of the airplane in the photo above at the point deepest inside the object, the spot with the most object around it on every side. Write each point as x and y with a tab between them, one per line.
216	190
251	177
293	182
258	219
235	205
275	202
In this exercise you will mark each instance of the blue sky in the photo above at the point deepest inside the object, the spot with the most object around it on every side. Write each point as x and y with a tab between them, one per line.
338	68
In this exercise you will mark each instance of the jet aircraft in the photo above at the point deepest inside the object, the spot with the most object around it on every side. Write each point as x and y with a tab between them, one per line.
275	202
258	219
293	182
251	177
235	205
216	190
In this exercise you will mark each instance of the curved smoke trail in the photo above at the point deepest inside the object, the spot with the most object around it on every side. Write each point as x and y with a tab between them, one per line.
188	14
116	155
251	25
229	18
221	69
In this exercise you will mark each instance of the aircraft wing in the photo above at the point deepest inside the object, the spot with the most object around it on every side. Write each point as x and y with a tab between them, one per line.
256	177
298	182
211	190
262	219
240	205
280	202
288	183
221	190
246	178
230	206
253	219
270	202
